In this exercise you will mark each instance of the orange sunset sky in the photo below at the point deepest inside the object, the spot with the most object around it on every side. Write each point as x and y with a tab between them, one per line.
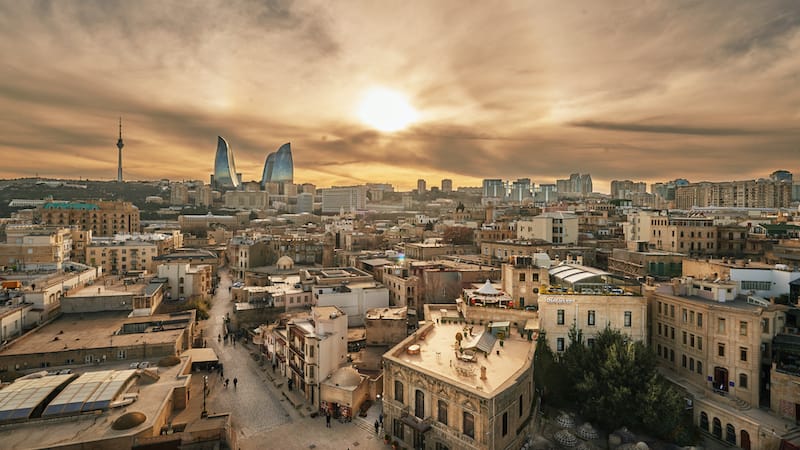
645	90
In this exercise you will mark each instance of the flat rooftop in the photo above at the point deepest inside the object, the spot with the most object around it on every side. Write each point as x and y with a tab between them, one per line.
438	356
86	428
92	330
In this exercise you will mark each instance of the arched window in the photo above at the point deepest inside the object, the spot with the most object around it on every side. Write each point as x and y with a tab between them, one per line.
419	404
744	440
704	421
717	428
730	434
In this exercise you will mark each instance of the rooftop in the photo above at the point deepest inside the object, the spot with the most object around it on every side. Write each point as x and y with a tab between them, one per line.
436	354
95	330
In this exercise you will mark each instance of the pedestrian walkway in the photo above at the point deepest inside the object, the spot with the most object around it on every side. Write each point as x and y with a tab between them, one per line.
311	433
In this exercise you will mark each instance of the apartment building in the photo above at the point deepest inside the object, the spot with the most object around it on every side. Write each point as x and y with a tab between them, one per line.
712	341
103	218
556	227
683	234
30	247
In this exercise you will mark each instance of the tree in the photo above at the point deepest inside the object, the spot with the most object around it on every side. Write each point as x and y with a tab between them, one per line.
457	235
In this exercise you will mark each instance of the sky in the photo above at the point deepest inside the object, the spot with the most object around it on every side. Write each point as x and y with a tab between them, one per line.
644	89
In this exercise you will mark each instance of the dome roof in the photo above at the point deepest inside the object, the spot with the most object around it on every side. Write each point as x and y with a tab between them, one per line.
285	262
346	377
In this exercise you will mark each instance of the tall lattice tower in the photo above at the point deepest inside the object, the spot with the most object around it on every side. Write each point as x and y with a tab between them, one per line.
120	144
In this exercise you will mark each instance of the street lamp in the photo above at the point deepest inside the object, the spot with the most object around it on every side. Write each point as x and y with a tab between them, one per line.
204	414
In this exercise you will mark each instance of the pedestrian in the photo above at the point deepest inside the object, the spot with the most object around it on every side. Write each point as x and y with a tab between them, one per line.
235	382
328	420
377	426
226	382
380	417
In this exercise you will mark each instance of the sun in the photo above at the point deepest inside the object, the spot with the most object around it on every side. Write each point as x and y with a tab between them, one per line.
386	110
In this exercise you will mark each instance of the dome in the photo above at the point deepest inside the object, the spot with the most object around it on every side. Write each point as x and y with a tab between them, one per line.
346	377
285	263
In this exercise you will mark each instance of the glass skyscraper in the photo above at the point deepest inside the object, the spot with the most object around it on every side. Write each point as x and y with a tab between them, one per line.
224	167
279	166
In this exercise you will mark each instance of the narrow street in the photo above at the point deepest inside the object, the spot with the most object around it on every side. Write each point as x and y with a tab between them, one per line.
262	417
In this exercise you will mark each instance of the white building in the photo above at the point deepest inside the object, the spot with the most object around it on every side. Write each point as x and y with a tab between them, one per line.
185	280
556	227
349	198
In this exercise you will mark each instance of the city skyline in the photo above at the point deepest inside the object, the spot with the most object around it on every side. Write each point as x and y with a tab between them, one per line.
619	90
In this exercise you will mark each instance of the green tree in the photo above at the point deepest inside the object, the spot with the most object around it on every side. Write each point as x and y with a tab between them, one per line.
457	235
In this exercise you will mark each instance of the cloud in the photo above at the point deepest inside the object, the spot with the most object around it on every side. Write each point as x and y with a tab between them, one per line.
542	89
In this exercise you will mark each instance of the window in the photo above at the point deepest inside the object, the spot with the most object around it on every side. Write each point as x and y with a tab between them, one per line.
659	328
628	316
699	319
505	423
699	366
683	361
398	429
672	333
560	317
691	340
765	325
743	354
522	276
685	315
121	354
684	337
720	325
742	328
721	350
699	342
590	342
469	424
691	364
560	344
743	381
419	404
672	311
756	285
691	316
672	355
398	391
520	406
442	406
659	307
590	319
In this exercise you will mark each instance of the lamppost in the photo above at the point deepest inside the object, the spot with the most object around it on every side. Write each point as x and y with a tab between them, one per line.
204	414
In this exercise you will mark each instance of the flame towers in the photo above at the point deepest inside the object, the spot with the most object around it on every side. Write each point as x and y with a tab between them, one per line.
279	167
225	175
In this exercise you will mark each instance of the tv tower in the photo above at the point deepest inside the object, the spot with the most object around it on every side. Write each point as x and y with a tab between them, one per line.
120	144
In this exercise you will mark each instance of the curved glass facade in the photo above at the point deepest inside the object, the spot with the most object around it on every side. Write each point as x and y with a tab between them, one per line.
224	166
279	166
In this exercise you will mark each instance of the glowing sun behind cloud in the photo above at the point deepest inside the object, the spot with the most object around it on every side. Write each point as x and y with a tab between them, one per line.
386	110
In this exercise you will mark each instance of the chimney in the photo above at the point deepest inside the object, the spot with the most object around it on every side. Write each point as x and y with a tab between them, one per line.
483	372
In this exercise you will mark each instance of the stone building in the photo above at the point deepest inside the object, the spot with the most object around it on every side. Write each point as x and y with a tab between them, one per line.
478	397
102	218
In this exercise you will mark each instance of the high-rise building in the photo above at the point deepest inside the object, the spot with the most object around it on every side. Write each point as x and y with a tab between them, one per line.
347	198
421	186
626	189
760	193
179	194
781	175
494	187
225	176
447	185
521	190
547	193
279	166
305	202
577	184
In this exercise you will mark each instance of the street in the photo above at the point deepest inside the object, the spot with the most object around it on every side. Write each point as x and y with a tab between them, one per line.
262	416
